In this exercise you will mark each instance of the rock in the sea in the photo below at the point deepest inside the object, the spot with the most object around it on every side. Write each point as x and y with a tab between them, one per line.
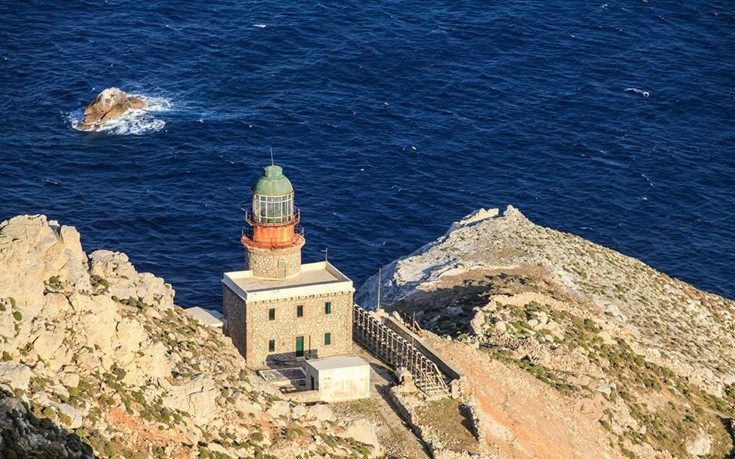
108	105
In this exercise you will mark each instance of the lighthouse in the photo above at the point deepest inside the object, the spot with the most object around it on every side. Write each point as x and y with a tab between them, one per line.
279	311
273	245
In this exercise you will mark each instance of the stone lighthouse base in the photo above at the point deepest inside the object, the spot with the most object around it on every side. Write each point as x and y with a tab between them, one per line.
275	263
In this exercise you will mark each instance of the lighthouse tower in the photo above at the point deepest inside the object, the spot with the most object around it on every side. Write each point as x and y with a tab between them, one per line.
279	311
274	244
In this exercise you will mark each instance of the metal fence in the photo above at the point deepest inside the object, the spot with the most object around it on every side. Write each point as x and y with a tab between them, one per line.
397	351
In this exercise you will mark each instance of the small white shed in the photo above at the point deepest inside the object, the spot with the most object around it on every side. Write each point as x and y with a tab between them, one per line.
338	378
208	317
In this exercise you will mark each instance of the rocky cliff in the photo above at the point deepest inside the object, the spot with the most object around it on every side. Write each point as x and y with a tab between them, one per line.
97	360
570	349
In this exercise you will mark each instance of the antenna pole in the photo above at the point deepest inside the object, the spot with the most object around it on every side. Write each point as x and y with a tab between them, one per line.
326	253
272	163
380	275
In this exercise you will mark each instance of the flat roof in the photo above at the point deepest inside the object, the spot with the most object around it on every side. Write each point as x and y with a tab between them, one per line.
208	317
332	363
320	277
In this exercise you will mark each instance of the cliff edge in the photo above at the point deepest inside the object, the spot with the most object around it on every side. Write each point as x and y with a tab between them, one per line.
96	360
571	349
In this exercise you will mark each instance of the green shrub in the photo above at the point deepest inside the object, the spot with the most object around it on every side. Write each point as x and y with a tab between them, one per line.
118	372
6	356
98	281
17	316
292	434
139	397
55	282
65	419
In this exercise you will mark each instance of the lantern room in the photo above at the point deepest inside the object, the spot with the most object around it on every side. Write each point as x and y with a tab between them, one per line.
273	198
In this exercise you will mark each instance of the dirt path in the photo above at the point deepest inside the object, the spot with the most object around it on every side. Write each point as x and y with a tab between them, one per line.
396	437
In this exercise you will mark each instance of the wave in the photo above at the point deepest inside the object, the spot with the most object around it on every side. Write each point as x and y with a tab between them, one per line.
638	91
134	121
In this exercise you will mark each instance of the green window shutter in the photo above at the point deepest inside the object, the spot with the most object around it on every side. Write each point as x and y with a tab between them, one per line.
271	345
300	311
327	339
328	307
272	314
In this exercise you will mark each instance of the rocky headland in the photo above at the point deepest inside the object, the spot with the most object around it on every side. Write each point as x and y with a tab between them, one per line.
111	103
567	349
97	361
570	349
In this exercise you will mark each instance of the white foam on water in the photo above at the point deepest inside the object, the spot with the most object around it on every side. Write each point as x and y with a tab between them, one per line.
135	121
260	26
638	91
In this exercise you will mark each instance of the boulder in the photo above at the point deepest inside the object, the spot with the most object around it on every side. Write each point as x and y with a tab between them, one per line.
321	413
279	409
197	397
75	418
701	446
363	431
108	105
15	375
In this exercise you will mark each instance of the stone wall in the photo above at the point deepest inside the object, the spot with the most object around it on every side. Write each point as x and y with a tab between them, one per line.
287	326
234	310
264	261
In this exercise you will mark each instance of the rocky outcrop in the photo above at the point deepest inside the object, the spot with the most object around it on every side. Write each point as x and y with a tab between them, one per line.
108	105
649	361
99	352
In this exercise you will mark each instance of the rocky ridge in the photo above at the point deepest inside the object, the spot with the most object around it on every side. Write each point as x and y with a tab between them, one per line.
97	360
643	364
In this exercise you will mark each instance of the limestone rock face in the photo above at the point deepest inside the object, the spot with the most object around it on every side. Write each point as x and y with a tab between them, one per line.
108	105
96	348
196	397
126	282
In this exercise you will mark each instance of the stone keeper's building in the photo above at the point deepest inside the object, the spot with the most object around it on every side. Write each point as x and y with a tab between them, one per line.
278	309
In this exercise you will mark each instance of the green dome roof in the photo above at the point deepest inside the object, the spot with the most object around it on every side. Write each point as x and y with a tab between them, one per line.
273	182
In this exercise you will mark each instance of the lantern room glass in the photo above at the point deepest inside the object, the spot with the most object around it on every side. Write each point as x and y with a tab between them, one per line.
273	210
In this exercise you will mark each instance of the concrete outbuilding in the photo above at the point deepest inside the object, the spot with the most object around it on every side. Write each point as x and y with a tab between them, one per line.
338	379
208	317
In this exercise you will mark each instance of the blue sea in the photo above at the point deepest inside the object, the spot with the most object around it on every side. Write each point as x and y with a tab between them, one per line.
613	120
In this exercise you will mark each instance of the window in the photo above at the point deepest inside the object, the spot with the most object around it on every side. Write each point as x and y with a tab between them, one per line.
327	339
328	307
300	311
271	345
272	314
273	210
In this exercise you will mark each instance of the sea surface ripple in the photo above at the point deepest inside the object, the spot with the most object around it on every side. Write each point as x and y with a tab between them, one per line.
611	120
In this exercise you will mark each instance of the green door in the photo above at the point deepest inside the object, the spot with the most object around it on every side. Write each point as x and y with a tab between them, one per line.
299	346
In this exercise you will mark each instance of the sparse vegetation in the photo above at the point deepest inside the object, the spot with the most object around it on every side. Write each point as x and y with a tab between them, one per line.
99	282
55	283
